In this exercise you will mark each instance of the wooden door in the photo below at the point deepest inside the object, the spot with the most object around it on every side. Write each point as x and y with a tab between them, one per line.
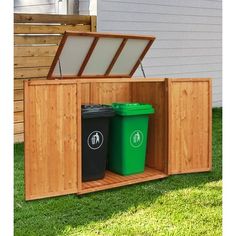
189	125
52	135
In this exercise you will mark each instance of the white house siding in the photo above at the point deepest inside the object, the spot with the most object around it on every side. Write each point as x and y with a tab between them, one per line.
189	35
40	6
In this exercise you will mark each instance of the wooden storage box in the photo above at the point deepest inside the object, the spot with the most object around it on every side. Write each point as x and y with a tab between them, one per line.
97	68
179	135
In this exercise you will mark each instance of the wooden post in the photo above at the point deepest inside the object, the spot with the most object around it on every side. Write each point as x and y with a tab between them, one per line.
93	23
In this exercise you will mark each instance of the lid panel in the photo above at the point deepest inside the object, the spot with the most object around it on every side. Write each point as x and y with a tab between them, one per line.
83	55
102	56
72	55
129	56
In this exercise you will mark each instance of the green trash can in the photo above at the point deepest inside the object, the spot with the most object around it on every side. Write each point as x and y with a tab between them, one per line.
128	138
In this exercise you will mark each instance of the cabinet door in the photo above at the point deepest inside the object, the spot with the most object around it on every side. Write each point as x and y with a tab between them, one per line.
52	115
189	125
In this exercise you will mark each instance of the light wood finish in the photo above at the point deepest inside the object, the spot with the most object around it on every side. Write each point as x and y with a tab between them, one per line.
51	140
18	106
113	180
93	23
33	54
35	39
35	51
154	94
179	136
49	29
18	127
189	109
33	62
19	138
51	18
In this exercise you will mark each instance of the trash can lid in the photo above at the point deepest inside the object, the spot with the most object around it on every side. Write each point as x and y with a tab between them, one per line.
131	109
96	110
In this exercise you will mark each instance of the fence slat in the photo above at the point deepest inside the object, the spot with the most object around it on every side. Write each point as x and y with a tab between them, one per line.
19	138
33	54
33	39
31	72
18	117
18	95
18	106
49	29
35	51
22	62
46	18
18	128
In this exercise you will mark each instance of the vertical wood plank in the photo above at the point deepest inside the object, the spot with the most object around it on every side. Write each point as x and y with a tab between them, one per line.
93	23
51	156
189	126
79	137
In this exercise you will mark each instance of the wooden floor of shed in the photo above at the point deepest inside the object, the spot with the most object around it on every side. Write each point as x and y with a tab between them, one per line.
113	180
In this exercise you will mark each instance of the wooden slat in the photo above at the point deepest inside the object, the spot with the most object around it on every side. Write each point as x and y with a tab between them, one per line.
20	73
49	29
93	23
18	95
51	137
52	18
32	39
18	83
113	180
18	138
189	126
18	128
35	51
18	106
22	62
18	117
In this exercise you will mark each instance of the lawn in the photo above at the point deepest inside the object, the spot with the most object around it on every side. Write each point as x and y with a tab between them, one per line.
189	204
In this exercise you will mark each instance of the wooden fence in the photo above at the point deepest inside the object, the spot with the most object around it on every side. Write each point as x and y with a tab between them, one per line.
36	38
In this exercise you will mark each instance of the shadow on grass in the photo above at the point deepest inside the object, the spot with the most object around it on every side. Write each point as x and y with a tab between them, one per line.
52	216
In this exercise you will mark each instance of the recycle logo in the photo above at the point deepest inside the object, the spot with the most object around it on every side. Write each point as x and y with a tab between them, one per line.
136	138
95	140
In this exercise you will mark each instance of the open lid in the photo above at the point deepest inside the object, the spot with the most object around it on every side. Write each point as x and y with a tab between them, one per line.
99	55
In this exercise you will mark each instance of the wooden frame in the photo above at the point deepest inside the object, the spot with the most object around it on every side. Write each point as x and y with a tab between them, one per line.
161	156
97	36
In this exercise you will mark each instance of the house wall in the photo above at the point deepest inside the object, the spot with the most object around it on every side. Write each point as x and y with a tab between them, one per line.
189	36
40	6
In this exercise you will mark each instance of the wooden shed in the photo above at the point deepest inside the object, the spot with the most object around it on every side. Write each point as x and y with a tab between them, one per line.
179	135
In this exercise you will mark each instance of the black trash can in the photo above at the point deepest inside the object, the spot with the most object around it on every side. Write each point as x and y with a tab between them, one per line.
95	130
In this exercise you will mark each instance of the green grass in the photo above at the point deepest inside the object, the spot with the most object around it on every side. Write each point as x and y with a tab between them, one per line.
189	204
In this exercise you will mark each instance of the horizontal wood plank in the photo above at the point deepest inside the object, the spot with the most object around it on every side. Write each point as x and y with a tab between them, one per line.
18	94
32	39
18	117
18	83
21	62
18	138
18	128
45	18
18	106
31	72
113	180
49	29
35	51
